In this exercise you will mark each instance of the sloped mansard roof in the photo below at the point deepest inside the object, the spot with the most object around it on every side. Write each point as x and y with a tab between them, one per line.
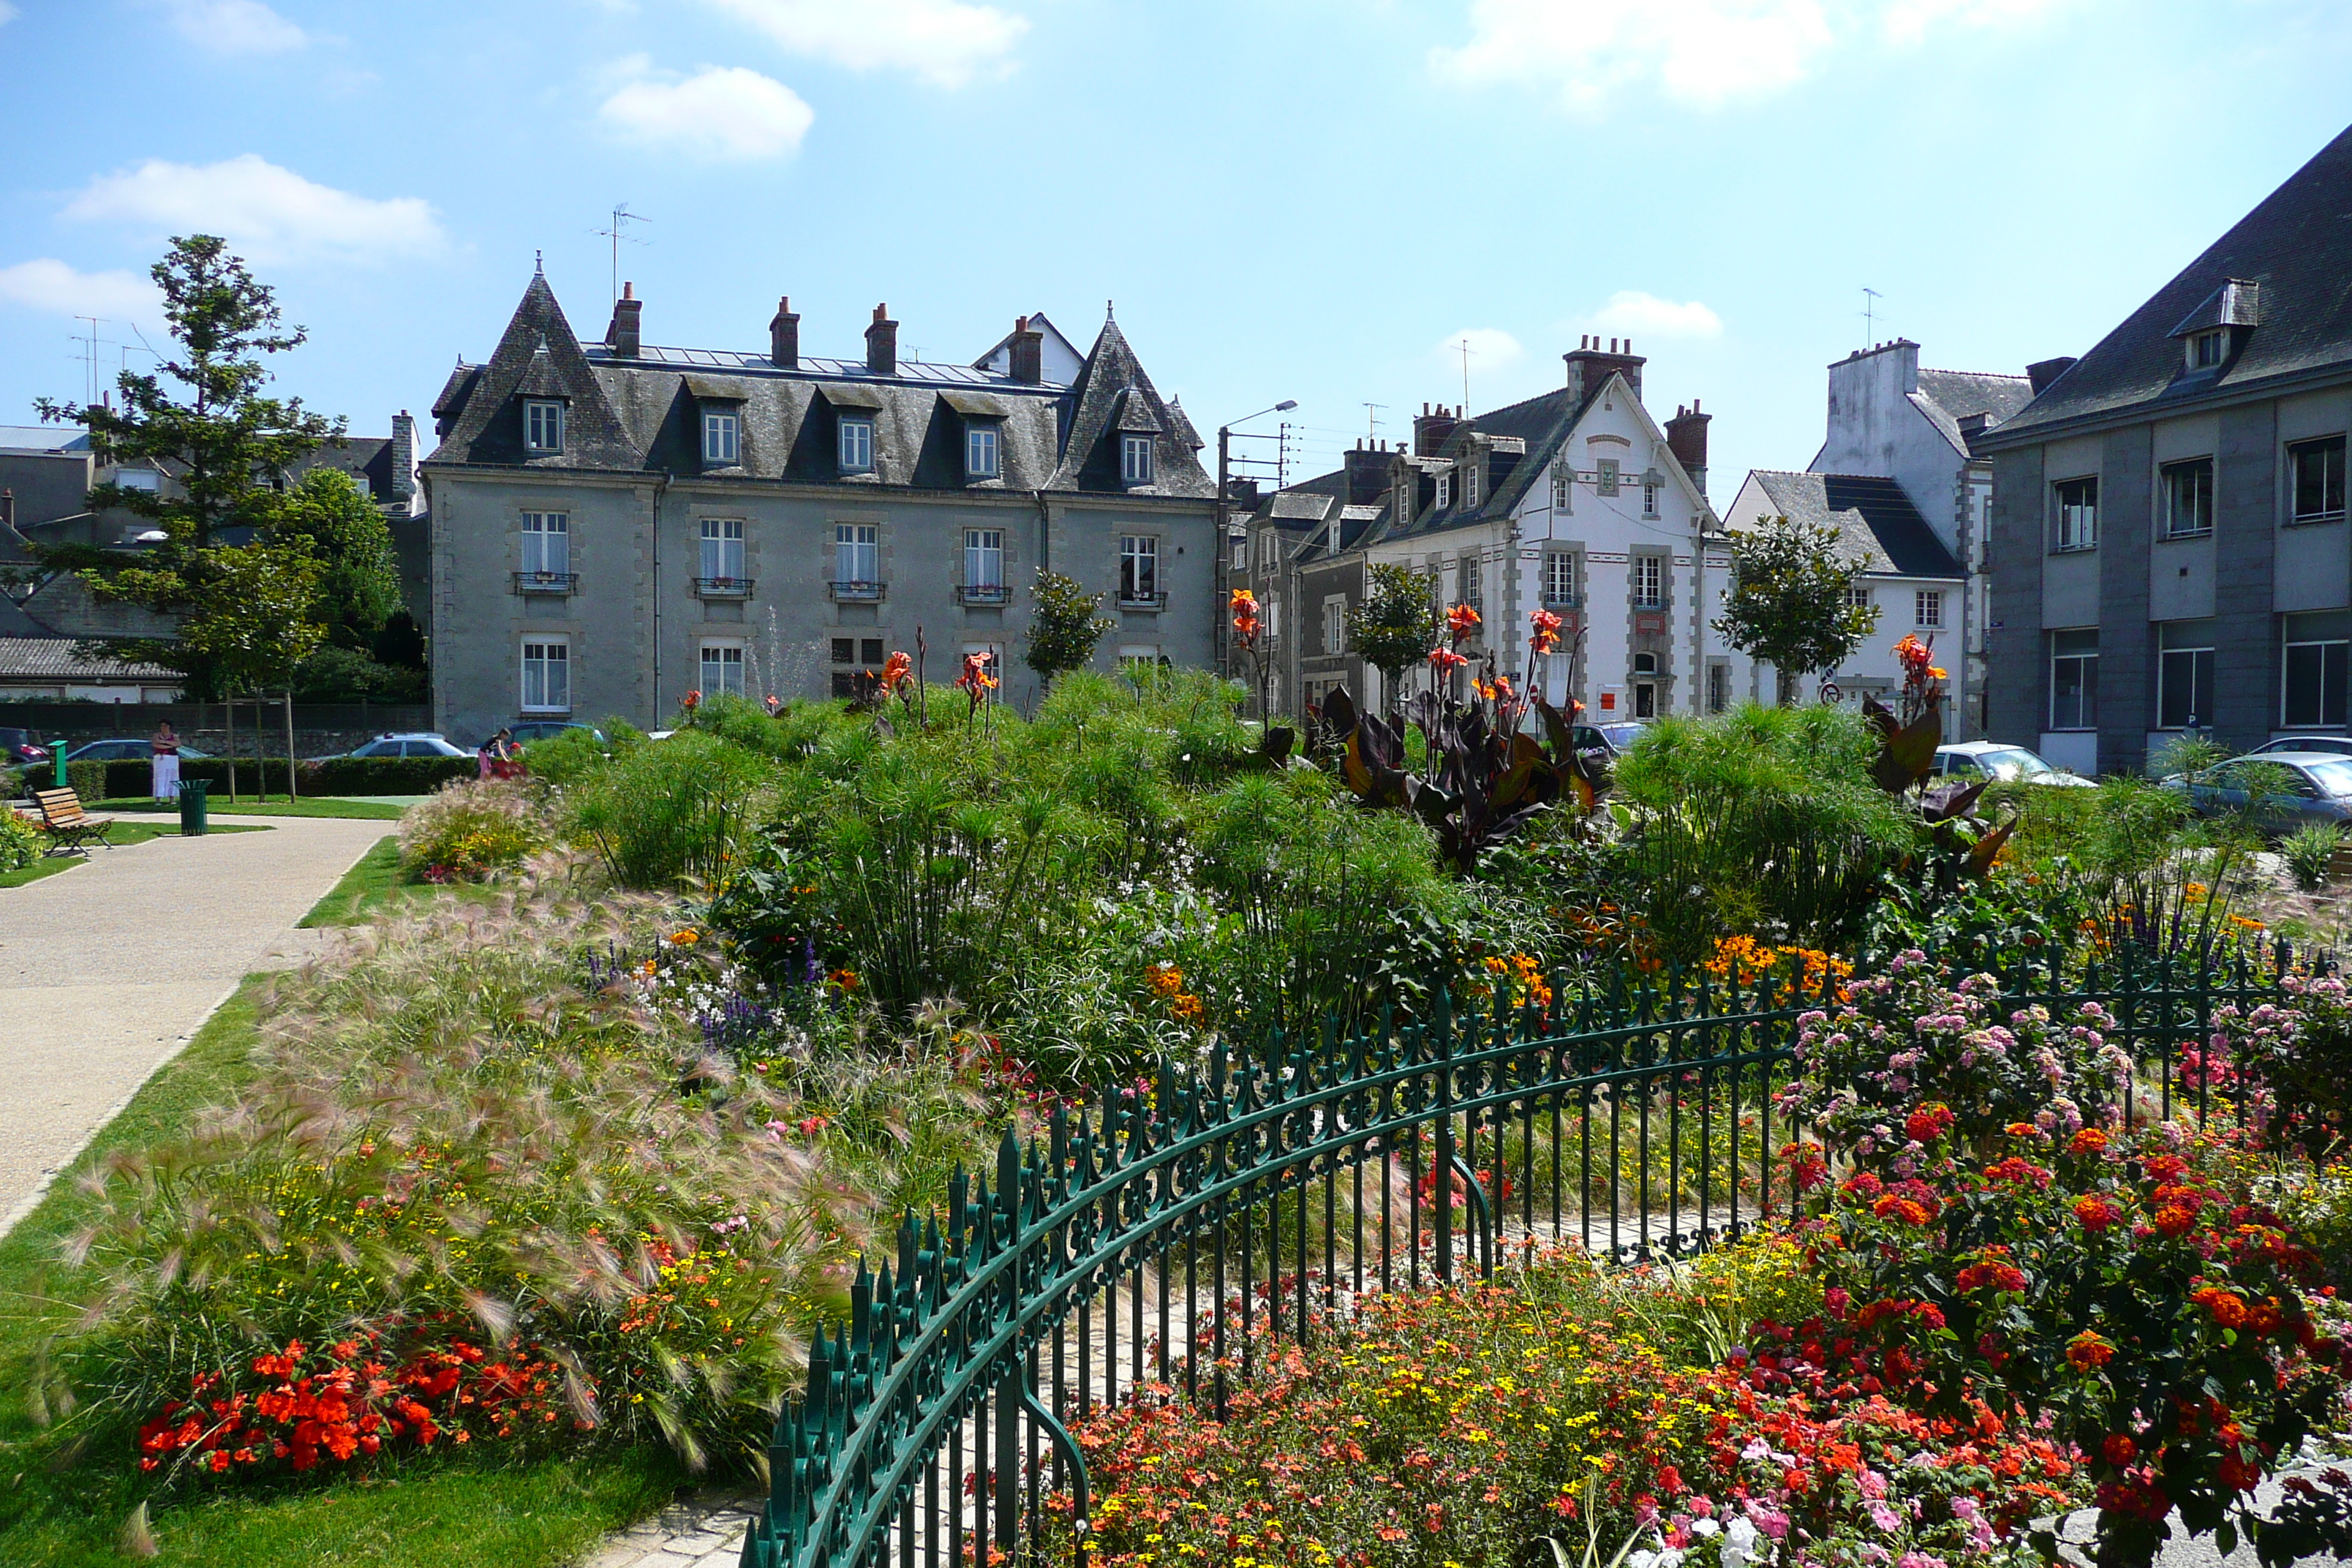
1875	518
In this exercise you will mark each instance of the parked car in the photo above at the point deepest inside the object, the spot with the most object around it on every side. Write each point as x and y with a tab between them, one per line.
19	746
2309	786
548	729
122	751
2341	745
1614	738
415	744
1969	760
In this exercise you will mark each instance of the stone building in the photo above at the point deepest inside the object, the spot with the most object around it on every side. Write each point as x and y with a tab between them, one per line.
614	524
2169	544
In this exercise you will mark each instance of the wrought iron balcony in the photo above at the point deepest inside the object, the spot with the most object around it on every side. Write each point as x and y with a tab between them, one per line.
722	587
1563	601
983	594
1130	600
856	593
547	581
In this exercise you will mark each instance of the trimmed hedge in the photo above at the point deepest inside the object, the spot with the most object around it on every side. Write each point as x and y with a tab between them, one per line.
334	776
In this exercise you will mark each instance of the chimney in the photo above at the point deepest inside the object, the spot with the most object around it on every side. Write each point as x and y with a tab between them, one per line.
1589	364
784	335
622	335
1028	353
8	511
404	457
882	343
1430	430
1368	474
2041	373
1687	439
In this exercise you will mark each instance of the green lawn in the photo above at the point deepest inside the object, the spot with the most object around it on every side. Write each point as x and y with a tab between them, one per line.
371	809
437	1515
124	835
376	887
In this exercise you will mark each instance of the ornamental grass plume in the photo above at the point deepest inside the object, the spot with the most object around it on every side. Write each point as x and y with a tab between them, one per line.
452	1144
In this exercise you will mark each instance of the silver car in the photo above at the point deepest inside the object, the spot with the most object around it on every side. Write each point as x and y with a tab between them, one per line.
2305	788
2338	745
1967	761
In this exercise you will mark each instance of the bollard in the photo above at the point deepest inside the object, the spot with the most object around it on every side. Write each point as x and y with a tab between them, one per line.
57	754
193	820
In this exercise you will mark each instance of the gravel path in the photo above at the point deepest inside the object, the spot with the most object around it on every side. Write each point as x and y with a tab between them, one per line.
106	970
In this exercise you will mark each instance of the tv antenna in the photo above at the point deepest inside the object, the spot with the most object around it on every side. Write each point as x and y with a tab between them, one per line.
91	356
1373	420
621	218
1466	351
1869	298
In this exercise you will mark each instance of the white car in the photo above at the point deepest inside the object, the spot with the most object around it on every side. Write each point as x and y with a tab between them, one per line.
1971	762
415	744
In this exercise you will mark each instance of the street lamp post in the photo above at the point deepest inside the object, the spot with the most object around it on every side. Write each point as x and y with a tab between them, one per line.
1225	542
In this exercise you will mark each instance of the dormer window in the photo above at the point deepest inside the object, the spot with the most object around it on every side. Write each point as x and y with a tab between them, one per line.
2206	349
1135	459
722	438
1470	484
1445	492
542	424
981	459
856	444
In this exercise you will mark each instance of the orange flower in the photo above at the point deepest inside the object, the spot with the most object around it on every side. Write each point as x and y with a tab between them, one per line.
1462	620
1545	637
2089	1141
1445	660
693	700
2087	1351
894	670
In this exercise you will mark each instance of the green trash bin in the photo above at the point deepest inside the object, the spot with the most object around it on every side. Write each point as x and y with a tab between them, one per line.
192	806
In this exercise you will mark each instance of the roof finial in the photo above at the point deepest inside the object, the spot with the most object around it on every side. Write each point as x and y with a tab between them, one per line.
539	262
1110	309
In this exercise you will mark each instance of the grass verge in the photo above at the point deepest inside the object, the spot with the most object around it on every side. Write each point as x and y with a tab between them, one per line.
376	885
442	1514
367	810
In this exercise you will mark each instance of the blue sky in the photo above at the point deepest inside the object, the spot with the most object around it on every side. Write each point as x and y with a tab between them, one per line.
1305	199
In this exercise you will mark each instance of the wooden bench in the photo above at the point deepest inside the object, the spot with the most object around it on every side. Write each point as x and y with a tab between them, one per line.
72	828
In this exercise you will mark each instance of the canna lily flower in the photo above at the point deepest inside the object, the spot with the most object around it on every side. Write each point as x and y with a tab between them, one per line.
1462	620
1445	660
896	671
1544	636
692	700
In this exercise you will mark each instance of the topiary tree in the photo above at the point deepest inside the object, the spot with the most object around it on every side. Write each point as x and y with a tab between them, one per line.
1395	627
1788	600
1063	626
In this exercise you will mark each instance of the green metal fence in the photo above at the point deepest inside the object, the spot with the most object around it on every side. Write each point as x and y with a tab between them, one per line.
1143	1247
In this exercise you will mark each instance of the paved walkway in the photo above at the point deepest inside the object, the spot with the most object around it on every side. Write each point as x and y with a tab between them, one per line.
106	970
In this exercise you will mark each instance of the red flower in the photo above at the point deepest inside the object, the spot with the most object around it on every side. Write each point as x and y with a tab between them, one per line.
692	700
1910	1211
2089	1141
2119	1450
1928	1122
1445	660
2093	1213
1462	620
2087	1352
1545	637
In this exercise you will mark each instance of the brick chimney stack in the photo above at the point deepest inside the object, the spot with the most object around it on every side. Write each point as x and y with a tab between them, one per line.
1589	364
1687	439
1368	473
785	334
882	343
1026	354
622	335
403	457
1431	429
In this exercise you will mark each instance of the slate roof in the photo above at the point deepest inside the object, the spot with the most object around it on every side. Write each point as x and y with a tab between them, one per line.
1874	515
642	413
2292	246
53	658
367	459
44	438
1960	393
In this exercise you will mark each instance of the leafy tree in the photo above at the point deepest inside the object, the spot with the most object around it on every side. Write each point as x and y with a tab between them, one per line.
1063	626
358	588
1396	627
1788	602
245	609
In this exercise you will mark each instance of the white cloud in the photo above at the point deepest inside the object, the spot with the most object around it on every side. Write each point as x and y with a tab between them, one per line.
721	112
270	214
235	26
53	286
1491	350
1628	310
944	41
1705	53
7	13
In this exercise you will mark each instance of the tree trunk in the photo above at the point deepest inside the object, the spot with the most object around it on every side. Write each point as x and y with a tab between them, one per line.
1788	684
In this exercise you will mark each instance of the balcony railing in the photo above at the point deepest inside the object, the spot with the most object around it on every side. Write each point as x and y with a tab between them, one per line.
856	593
547	581
1131	600
983	594
1563	601
722	587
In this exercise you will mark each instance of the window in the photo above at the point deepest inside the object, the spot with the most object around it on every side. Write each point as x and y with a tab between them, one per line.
2318	668
1928	609
1718	687
149	480
722	669
1335	623
2205	349
2318	480
1474	589
1608	485
2078	514
1649	501
1240	552
2188	497
1445	492
1649	582
546	543
1135	459
1563	485
854	652
546	676
1470	484
1140	659
980	459
1645	686
983	557
2184	675
1560	578
542	425
2074	679
1139	568
856	444
722	549
857	554
721	433
1857	598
